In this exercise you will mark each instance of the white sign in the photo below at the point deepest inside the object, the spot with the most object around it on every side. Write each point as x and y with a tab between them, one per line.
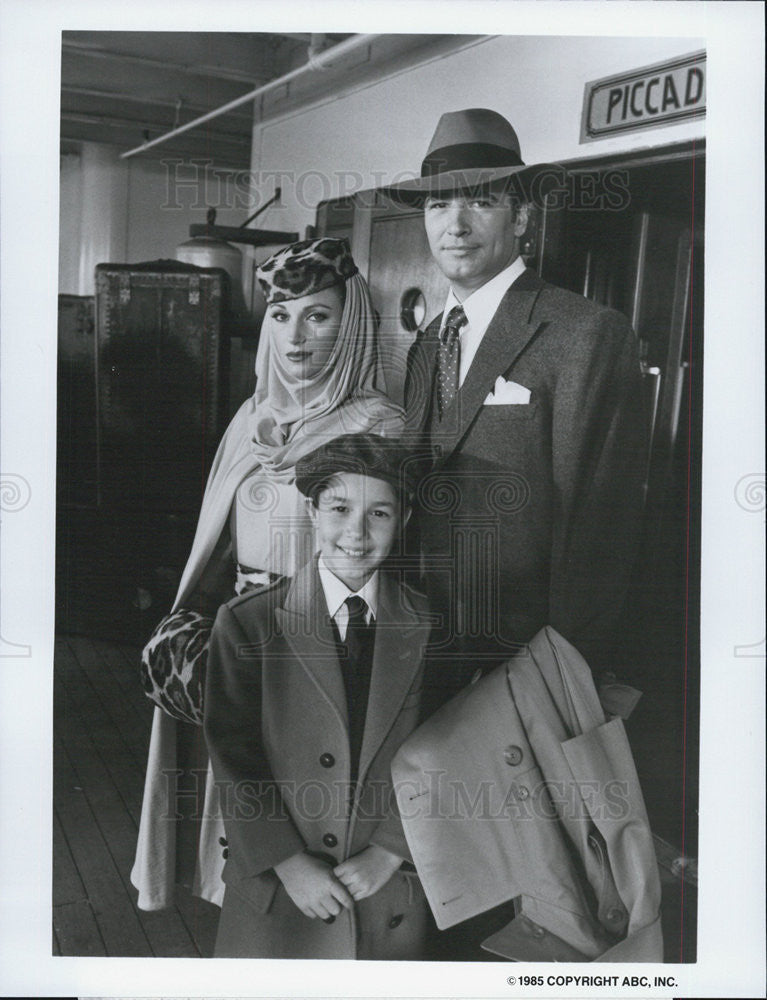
662	94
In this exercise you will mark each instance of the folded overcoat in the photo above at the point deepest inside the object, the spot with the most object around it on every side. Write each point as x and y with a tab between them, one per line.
520	788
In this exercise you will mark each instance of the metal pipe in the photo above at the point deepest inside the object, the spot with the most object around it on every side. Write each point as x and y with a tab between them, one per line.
319	61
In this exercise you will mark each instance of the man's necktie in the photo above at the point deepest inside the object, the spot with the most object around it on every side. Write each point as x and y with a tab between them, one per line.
449	357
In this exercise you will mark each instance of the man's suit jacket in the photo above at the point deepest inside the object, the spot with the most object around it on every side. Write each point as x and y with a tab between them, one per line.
531	513
520	788
277	732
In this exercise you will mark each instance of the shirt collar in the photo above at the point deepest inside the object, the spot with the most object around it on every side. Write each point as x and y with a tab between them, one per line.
481	305
336	590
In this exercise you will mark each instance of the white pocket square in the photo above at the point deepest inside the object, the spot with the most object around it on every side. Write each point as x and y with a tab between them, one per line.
507	392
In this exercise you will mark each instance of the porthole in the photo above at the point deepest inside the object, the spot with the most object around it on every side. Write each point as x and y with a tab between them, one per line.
412	309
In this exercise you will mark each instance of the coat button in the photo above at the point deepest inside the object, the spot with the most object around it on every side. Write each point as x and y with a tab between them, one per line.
396	920
330	840
327	760
225	853
513	755
615	914
329	920
537	932
223	841
522	792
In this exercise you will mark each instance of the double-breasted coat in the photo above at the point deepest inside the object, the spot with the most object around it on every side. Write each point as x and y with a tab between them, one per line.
277	730
531	512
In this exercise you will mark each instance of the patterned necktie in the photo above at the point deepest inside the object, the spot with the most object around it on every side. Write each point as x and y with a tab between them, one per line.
449	357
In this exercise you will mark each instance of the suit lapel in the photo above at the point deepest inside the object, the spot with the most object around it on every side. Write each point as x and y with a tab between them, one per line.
305	623
400	635
509	332
422	366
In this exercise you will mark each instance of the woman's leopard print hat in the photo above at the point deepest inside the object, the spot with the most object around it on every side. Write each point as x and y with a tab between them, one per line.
304	268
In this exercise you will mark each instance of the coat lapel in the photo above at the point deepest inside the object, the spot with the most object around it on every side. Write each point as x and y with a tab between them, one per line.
305	623
422	367
401	632
509	332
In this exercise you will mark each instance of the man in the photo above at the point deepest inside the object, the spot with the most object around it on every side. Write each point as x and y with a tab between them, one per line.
529	399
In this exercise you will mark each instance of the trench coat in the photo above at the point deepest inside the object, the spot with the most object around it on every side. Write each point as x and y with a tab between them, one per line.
520	788
530	513
277	732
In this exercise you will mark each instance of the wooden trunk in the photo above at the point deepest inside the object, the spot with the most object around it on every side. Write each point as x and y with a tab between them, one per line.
151	388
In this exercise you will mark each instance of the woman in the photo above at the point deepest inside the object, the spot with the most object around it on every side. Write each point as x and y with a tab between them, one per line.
318	376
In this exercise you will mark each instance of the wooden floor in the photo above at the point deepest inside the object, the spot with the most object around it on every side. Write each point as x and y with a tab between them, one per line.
101	735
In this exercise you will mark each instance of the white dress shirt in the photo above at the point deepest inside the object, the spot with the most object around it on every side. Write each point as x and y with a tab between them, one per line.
480	307
336	593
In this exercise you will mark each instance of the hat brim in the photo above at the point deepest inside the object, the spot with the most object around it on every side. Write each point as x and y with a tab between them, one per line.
529	182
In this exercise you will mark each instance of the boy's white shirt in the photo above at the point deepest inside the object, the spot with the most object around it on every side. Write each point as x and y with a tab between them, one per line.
336	593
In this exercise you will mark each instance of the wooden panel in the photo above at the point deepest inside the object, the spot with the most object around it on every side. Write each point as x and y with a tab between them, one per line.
337	218
654	264
400	259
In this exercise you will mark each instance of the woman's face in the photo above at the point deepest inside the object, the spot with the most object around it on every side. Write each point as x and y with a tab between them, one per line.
304	330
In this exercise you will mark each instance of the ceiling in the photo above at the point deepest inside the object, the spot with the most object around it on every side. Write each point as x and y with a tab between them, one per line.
125	88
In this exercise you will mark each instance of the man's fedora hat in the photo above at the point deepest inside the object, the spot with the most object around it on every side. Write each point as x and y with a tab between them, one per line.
470	150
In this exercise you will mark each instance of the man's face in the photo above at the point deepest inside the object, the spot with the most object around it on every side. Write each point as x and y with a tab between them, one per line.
473	238
357	520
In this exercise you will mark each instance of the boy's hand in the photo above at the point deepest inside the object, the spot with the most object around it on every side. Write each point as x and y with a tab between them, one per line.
368	871
312	886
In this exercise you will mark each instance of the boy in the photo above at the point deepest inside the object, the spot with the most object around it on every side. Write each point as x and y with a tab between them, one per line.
313	683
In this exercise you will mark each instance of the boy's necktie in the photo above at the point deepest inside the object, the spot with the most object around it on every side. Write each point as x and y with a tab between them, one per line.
356	628
356	669
449	357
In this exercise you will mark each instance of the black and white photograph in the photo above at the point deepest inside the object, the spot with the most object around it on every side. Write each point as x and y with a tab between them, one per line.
383	500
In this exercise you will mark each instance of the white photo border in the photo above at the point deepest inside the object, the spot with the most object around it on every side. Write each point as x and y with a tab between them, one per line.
731	859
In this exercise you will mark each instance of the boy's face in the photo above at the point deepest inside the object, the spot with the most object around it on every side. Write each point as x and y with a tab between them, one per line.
357	520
